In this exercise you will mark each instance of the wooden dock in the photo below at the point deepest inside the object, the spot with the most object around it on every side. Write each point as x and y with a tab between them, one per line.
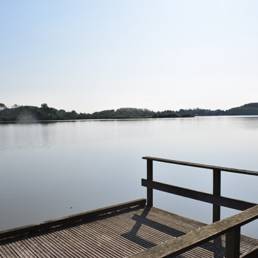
137	229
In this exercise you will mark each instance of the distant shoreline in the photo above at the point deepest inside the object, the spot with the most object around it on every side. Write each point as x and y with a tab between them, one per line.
31	114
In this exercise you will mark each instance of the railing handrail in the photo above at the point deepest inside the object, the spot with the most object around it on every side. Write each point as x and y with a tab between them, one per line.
199	165
201	235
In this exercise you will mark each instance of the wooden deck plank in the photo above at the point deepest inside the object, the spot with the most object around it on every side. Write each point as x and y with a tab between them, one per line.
121	235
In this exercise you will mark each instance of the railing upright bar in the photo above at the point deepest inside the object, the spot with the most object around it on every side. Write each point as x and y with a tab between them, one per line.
216	213
233	243
216	193
149	178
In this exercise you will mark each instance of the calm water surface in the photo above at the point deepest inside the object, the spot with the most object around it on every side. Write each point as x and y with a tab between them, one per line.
57	169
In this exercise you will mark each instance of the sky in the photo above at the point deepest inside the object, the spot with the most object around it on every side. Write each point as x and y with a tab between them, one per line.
92	55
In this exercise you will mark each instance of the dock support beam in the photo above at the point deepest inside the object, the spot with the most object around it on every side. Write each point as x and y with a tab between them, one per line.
149	178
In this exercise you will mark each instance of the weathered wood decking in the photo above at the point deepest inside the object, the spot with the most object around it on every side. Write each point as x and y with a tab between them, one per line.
120	233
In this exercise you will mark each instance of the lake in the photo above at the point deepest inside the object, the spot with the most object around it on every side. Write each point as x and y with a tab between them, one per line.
55	169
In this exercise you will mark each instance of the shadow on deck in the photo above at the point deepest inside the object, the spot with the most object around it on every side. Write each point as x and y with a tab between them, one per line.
216	248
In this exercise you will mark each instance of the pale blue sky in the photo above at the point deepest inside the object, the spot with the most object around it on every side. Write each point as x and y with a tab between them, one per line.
94	55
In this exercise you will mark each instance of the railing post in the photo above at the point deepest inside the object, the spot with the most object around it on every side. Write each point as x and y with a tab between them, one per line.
216	207
233	243
216	193
149	178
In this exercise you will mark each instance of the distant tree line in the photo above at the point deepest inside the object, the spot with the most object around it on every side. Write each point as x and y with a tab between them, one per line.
46	113
2	106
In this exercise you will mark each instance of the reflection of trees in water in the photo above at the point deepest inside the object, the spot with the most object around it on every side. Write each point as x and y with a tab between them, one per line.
247	122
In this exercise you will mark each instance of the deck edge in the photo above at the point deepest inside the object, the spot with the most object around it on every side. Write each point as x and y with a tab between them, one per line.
15	234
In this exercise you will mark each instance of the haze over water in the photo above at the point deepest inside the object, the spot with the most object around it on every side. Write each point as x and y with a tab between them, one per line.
56	169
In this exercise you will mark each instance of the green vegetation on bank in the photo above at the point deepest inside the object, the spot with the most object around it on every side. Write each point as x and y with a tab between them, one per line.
46	113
